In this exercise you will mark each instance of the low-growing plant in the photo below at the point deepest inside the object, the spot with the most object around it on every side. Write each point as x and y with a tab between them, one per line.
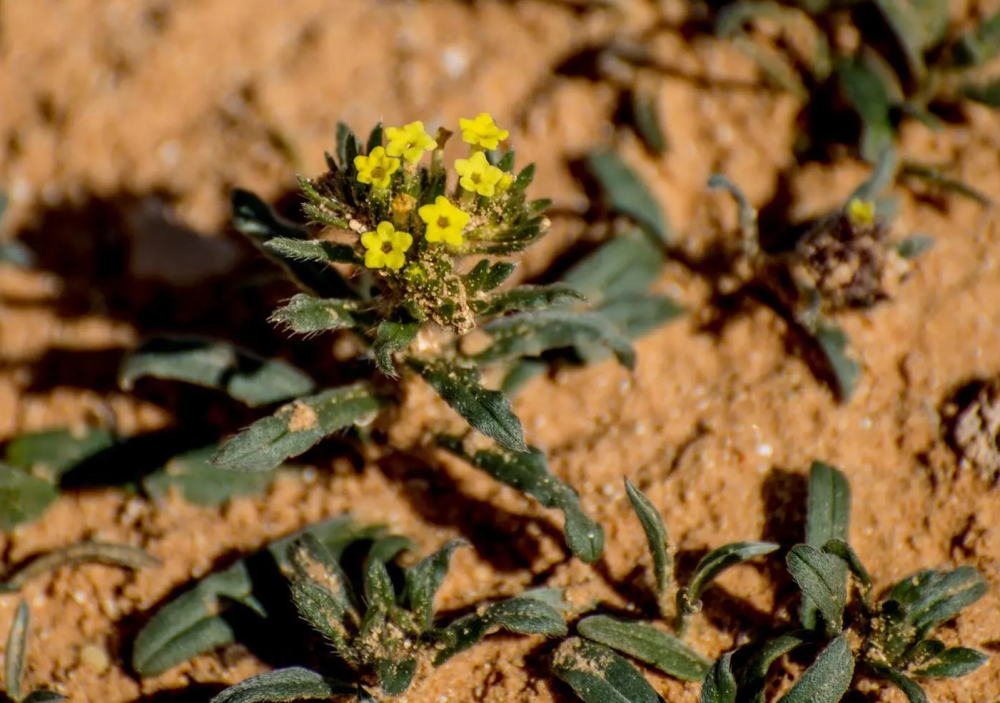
15	655
591	663
888	639
405	260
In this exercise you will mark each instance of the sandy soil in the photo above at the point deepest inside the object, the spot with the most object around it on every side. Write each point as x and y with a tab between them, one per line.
126	122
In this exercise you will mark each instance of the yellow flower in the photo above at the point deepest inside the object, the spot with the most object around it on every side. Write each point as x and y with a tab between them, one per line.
376	253
376	168
409	141
482	131
861	213
478	175
506	181
445	222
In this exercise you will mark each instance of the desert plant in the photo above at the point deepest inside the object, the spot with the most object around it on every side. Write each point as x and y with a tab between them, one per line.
888	639
404	262
591	663
16	655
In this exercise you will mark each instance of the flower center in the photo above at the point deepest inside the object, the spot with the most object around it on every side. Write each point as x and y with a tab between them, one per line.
443	222
477	178
378	172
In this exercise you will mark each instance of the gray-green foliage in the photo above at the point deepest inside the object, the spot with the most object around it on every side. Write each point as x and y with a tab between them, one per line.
889	639
384	632
15	655
121	555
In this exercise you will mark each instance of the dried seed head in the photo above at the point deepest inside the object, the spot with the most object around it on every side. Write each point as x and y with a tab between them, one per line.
975	431
850	262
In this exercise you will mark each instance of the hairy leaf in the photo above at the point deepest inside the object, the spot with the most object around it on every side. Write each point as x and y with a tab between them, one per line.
530	334
529	472
626	194
720	685
639	313
827	680
647	644
822	578
215	364
754	678
522	372
526	298
308	315
424	580
484	277
626	264
17	651
297	427
194	477
23	498
718	560
931	598
910	688
80	553
951	663
321	592
313	250
598	675
656	537
284	685
486	410
392	337
841	549
827	517
396	675
51	453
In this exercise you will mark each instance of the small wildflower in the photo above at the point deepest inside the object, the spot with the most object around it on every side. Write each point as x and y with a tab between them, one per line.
482	131
445	221
861	213
478	175
377	255
376	168
409	141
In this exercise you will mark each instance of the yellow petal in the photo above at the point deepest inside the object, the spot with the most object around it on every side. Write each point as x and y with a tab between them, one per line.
401	241
374	258
427	213
385	231
371	240
395	260
453	236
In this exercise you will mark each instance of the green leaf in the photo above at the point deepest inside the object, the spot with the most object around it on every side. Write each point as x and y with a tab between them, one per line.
912	35
484	277
946	183
626	264
194	477
530	334
882	176
396	675
374	139
379	592
292	684
952	663
647	644
17	651
215	364
424	580
321	593
392	337
912	247
845	552
748	213
638	314
984	93
865	88
312	250
486	410
822	579
297	427
626	194
51	453
43	696
23	498
598	675
832	343
526	298
931	598
828	513
713	564
914	693
978	46
308	315
656	537
529	473
646	117
754	679
522	372
348	146
122	555
828	679
720	685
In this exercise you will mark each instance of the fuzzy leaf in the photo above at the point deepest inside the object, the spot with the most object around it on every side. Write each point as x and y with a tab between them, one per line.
88	552
374	138
484	277
525	298
255	219
297	427
656	537
910	688
952	663
194	477
625	193
845	552
527	616
348	146
720	685
392	337
523	371
215	364
866	91
754	678
931	598
646	117
16	651
647	644
638	314
424	580
396	675
320	591
530	334
51	453
713	564
486	410
529	473
827	680
598	675
23	498
379	592
626	264
822	579
284	685
312	250
828	516
308	315
912	247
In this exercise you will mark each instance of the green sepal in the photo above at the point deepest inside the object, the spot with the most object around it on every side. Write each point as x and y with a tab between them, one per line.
215	364
348	146
374	138
284	686
488	411
647	644
529	473
598	675
308	315
297	427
